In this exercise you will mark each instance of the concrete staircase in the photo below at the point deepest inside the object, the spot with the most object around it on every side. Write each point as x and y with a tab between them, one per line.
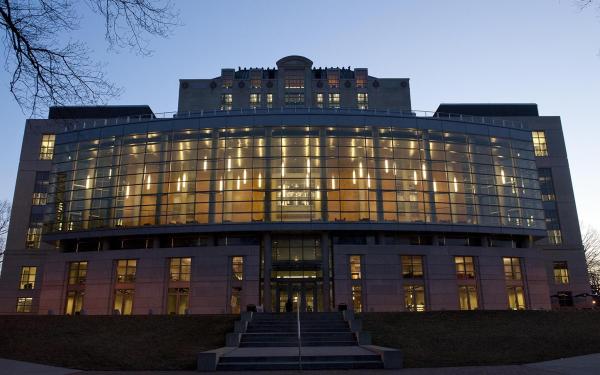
265	341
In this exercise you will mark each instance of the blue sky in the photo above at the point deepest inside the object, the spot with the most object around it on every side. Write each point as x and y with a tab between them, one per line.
542	51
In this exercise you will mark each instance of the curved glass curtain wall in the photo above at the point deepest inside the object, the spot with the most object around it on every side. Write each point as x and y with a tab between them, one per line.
294	174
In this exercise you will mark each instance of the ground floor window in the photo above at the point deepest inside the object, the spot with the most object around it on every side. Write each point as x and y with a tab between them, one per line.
414	297
357	298
124	301
234	302
24	304
565	299
467	297
74	302
516	297
178	301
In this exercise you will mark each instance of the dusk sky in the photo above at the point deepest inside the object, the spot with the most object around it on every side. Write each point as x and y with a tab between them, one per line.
542	51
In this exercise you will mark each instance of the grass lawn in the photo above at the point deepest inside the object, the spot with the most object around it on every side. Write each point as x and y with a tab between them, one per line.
430	339
454	338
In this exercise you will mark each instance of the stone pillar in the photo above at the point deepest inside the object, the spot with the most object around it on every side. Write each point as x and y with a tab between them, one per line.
266	264
326	266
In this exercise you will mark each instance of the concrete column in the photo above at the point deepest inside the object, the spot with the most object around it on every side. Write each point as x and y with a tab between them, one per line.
326	267
323	161
267	264
379	191
213	176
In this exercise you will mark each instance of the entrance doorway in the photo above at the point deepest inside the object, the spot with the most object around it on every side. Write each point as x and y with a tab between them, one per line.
304	295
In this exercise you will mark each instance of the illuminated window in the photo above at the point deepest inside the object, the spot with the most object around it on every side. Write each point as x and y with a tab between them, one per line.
465	267
319	99
124	301
357	298
34	236
516	297
539	143
361	78
412	267
126	270
40	189
414	297
234	301
74	303
77	272
178	300
237	267
355	271
47	146
24	304
294	83
561	273
227	83
180	269
269	100
256	83
555	237
226	102
27	277
362	99
467	297
334	100
254	100
333	79
294	99
512	268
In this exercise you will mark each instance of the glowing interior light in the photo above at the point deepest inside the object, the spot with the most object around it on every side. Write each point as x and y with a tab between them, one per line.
455	185
307	165
395	171
109	172
283	169
245	176
229	164
354	176
87	182
221	184
360	170
126	191
368	181
333	183
238	183
434	186
178	183
387	168
205	163
415	176
184	181
424	169
503	176
148	182
318	195
259	180
307	182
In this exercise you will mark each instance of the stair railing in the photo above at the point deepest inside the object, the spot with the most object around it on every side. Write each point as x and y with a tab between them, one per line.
299	338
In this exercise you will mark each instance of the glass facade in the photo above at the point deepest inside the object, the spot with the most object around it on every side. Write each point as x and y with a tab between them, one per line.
291	174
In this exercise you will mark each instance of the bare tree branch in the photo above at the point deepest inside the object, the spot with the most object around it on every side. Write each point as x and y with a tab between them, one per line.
4	222
591	245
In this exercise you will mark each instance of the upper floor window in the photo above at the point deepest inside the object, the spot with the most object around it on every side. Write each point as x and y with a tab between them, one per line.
539	143
126	270
333	79
269	100
555	237
512	268
77	272
226	102
362	100
40	189
47	146
256	83
319	100
24	304
355	271
27	277
334	100
227	83
294	83
180	269
254	100
34	237
561	273
294	99
465	267
237	267
412	266
546	184
361	78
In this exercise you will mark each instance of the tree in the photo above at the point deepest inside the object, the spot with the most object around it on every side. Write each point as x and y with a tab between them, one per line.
4	221
49	68
591	245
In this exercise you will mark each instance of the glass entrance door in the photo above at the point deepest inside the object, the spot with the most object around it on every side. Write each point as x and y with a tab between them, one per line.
301	295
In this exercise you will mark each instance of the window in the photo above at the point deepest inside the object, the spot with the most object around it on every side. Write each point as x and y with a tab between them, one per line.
178	301
180	269
362	99
294	99
555	237
465	268
47	147
24	304
355	273
256	83
124	301
77	273
467	297
516	297
34	236
334	100
565	299
269	100
320	98
254	100
553	225
333	79
227	83
235	301
39	199
74	303
294	83
412	267
27	277
561	273
546	184
361	78
539	143
357	298
226	102
126	270
512	268
414	297
40	189
237	267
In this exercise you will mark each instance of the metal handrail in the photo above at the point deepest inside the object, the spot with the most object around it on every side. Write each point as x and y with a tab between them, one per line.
80	124
299	338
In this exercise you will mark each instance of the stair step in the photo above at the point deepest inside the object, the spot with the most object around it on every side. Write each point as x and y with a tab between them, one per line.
309	358
326	365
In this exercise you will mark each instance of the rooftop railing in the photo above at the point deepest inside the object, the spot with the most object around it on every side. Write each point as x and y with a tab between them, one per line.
76	124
